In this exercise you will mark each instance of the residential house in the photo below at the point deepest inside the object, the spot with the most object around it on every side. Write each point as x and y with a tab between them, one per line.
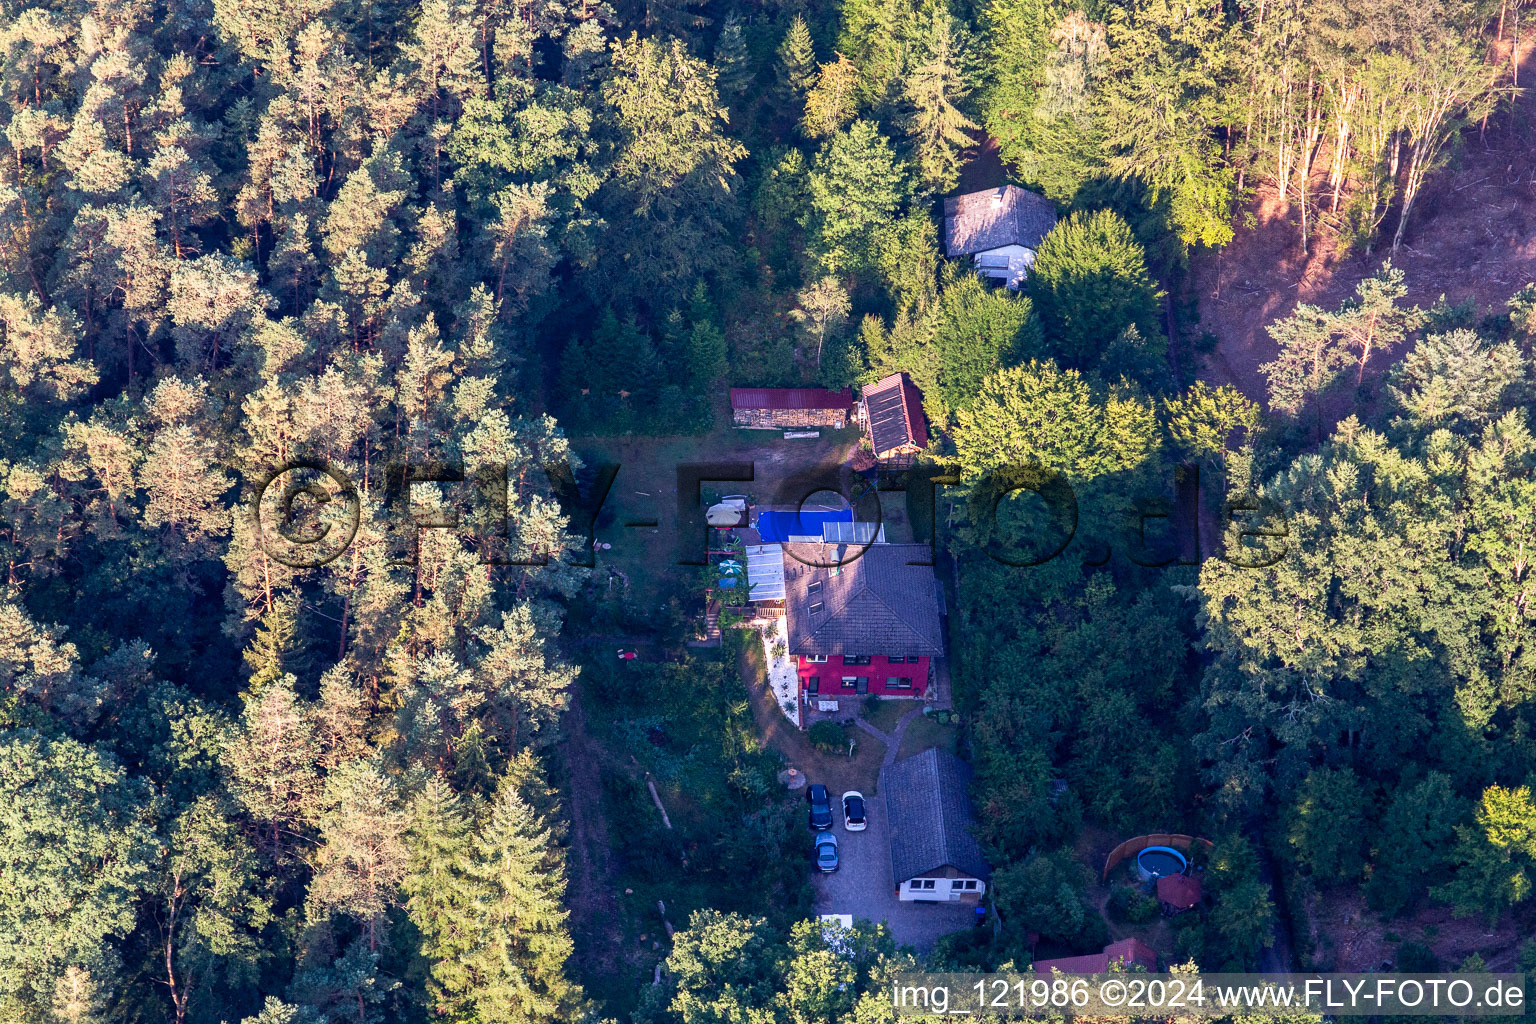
862	619
1127	953
1000	229
790	407
935	858
891	415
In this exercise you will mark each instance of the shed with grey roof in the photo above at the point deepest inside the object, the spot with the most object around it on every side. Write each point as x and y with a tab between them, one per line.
934	854
1000	228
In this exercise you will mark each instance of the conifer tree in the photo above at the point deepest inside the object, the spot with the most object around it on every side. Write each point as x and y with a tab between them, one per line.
733	65
797	61
856	184
938	81
833	101
519	965
439	895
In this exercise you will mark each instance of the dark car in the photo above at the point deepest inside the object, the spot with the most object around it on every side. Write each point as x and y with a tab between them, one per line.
826	852
821	807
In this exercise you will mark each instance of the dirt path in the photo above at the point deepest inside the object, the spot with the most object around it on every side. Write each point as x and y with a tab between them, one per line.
594	906
893	741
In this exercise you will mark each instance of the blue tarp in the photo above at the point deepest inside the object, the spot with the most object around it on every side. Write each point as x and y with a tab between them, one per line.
776	527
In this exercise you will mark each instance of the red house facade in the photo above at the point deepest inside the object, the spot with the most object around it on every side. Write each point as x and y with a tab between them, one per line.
833	675
863	620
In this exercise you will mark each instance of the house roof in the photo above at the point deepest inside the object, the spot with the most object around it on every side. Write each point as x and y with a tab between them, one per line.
791	398
837	531
862	601
1179	891
995	217
929	814
895	411
1126	951
765	571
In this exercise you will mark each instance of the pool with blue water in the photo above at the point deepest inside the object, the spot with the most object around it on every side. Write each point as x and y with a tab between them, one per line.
775	526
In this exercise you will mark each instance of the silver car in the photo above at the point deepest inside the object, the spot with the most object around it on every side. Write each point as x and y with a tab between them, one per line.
826	852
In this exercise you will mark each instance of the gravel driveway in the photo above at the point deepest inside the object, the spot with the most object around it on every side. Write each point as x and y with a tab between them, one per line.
862	885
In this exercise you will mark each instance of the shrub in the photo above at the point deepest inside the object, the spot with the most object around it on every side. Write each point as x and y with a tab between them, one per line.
827	736
1132	906
1412	957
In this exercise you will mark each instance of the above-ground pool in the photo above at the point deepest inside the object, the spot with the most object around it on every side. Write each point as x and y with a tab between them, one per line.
776	526
1159	862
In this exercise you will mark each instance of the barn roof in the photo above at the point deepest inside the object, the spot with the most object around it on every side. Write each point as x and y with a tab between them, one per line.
895	412
996	217
791	398
930	817
874	601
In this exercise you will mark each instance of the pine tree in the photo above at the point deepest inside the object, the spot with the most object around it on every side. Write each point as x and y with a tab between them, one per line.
937	128
79	997
363	854
519	965
271	760
797	61
439	896
733	65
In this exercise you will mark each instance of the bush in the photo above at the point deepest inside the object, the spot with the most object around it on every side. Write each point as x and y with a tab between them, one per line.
827	736
1413	958
1132	906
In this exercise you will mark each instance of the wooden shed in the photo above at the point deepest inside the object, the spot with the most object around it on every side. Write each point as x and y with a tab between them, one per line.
773	408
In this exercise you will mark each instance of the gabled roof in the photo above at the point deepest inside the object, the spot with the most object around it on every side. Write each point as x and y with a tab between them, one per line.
1126	951
996	217
1182	892
895	411
868	601
791	398
929	814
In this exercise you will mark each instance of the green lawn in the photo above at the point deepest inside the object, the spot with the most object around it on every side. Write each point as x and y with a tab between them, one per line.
923	732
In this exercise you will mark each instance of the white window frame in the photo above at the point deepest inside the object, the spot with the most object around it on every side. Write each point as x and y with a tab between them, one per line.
815	659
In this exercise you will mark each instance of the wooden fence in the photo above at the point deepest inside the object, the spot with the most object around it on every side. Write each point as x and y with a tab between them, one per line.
1131	847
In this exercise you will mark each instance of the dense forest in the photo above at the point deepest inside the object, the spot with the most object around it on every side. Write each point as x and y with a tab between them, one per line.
416	242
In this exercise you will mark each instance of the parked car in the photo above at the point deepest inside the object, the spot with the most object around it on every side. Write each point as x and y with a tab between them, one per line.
821	807
853	811
826	852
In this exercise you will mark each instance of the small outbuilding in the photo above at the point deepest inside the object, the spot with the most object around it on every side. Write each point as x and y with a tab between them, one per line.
891	414
774	408
1126	952
1000	229
935	858
1178	893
